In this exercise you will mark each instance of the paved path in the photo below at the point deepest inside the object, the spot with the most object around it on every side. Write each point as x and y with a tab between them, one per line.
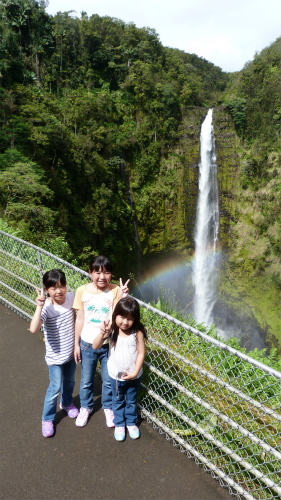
77	463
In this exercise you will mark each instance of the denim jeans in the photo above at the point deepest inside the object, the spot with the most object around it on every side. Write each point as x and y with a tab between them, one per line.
89	361
124	401
61	380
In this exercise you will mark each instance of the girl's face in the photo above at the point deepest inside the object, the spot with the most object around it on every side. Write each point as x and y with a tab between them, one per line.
124	323
57	293
101	278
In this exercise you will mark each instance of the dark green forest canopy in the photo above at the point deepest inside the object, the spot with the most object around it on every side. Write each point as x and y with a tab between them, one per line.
87	106
91	108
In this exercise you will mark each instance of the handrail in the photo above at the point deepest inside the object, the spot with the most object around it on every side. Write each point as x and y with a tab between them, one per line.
219	405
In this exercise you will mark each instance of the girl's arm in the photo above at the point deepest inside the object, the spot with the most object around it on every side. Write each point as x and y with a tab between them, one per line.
139	359
36	322
79	322
102	336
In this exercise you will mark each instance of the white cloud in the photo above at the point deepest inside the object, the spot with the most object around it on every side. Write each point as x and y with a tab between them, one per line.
226	33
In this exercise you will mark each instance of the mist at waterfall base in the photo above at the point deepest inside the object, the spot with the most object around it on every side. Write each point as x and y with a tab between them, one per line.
173	287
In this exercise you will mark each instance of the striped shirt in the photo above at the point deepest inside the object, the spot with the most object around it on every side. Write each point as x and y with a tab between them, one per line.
58	326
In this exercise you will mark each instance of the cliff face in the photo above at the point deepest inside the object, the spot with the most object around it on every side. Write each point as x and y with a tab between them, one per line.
228	174
166	209
166	213
168	223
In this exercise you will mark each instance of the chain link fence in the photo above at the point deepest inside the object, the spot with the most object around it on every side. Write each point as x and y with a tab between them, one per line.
219	406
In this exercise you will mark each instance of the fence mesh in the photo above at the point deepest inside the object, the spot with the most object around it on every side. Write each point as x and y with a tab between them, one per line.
216	404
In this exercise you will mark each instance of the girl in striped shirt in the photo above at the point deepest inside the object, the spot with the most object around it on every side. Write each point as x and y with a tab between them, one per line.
57	315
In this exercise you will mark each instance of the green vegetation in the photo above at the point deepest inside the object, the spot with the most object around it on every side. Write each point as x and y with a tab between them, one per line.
88	108
204	372
253	99
271	359
99	147
201	392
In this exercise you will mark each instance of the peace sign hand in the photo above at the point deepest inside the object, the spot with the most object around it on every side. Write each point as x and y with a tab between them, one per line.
40	299
105	329
124	288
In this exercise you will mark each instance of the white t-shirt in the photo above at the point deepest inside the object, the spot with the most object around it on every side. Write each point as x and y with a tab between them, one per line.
123	356
58	327
97	306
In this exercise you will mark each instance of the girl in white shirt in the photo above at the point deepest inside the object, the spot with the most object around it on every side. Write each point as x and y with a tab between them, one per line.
126	356
94	303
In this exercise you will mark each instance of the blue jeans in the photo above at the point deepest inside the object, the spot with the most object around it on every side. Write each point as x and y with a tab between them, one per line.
89	361
124	401
61	380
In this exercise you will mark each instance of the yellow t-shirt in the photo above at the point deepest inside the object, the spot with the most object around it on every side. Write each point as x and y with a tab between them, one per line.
97	306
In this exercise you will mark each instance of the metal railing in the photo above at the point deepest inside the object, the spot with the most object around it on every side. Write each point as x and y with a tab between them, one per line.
218	405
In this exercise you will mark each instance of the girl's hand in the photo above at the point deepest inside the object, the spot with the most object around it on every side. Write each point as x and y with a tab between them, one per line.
77	354
105	329
124	288
128	375
102	336
40	299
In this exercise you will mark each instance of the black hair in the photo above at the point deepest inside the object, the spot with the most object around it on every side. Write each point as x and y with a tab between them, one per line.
100	262
50	278
125	307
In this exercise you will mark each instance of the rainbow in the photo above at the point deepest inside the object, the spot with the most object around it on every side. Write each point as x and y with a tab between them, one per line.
171	282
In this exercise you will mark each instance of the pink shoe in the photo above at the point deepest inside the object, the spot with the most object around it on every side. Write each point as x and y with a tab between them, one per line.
71	410
47	428
109	417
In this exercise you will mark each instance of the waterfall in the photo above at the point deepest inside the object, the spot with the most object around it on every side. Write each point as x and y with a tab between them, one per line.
205	264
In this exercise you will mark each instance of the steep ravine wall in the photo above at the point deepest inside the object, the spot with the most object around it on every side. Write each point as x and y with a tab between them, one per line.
166	228
168	224
166	221
228	173
250	301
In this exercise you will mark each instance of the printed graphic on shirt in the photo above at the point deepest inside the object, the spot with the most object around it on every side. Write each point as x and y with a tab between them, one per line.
98	314
97	307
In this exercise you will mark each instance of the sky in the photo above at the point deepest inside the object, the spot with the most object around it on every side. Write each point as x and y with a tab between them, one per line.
227	33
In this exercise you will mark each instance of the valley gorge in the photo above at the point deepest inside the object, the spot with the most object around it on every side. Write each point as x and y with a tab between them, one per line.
102	126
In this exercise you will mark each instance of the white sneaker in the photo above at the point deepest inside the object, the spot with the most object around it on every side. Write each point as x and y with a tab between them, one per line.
83	416
119	433
134	432
109	417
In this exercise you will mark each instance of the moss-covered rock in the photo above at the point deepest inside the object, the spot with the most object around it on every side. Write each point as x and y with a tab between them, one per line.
166	208
228	162
247	292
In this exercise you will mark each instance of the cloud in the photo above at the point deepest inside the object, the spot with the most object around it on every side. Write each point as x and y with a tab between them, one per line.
227	34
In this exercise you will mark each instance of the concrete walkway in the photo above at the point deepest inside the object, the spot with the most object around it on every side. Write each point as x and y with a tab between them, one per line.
78	463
